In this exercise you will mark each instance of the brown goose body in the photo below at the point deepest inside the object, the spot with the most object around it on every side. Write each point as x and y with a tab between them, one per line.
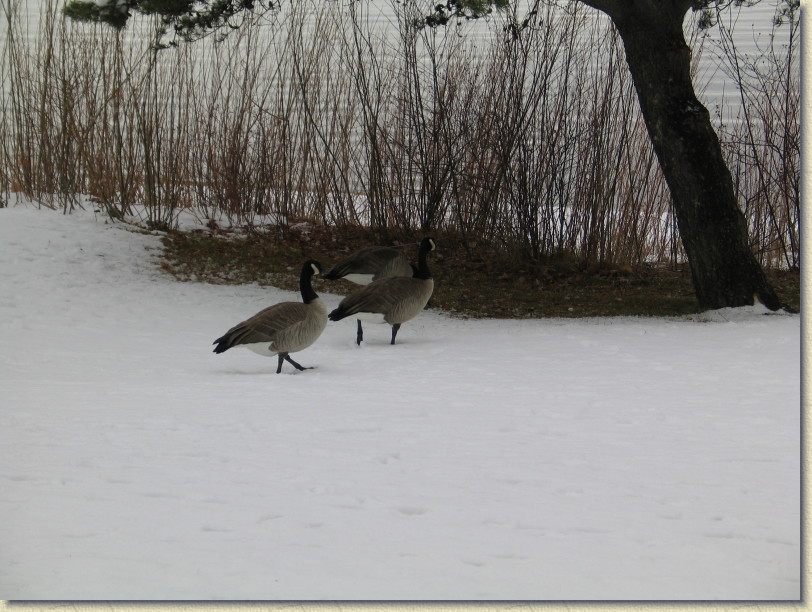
388	300
393	300
284	328
371	264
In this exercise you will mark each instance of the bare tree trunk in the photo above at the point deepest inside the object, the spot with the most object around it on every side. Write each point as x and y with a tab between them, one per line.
712	227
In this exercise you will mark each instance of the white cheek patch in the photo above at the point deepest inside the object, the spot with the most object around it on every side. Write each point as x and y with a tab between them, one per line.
370	317
315	269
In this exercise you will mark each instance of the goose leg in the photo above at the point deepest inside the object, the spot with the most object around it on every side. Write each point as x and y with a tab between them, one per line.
279	367
360	335
395	329
293	363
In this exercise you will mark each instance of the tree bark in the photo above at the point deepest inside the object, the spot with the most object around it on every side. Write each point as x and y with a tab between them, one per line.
712	227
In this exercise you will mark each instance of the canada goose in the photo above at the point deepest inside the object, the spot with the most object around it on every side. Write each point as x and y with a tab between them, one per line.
284	328
370	264
392	300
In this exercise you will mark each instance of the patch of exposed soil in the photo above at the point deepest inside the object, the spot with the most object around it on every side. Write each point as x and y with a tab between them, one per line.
471	279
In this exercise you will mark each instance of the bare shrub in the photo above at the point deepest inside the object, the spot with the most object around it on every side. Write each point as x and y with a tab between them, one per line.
762	142
527	136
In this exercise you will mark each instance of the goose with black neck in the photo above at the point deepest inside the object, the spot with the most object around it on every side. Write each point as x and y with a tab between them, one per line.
284	328
393	300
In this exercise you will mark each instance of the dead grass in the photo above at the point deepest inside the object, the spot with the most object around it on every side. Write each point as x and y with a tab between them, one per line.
472	280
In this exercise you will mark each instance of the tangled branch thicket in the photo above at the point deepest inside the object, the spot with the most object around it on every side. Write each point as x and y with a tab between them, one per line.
527	135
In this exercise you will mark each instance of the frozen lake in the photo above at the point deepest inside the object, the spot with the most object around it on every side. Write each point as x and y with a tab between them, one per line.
752	29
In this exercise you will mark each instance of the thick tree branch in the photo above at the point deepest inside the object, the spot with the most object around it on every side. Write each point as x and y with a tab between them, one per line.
674	9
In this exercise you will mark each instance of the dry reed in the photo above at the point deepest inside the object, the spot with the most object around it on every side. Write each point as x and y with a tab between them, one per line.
528	136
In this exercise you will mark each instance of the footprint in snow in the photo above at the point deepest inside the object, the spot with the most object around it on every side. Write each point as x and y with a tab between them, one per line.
412	511
269	517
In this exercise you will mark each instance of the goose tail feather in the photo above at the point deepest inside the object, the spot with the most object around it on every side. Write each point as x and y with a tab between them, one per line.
337	314
222	343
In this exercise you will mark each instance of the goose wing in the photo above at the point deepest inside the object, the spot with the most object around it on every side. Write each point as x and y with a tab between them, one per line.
266	324
380	296
371	260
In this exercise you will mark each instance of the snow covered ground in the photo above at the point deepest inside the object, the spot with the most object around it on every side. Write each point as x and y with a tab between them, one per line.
628	458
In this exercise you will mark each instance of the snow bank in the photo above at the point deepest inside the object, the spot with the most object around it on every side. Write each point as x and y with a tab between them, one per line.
601	459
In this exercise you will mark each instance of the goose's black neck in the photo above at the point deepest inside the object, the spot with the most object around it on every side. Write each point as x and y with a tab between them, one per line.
423	271
305	286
